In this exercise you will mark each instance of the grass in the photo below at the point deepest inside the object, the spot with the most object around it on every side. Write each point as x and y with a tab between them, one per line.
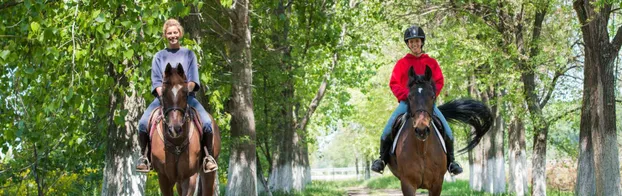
459	187
325	188
380	184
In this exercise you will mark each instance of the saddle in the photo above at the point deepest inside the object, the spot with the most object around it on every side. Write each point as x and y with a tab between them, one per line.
401	122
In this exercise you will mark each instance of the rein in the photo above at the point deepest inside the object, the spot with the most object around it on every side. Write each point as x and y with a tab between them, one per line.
170	146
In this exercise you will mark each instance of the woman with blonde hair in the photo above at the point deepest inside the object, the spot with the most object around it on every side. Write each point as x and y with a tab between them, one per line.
173	54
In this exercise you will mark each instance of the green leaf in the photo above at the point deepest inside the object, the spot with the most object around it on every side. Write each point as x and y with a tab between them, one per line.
118	120
4	54
34	26
100	18
126	23
128	54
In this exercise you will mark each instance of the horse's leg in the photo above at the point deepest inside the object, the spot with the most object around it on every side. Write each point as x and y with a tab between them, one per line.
208	183
189	185
180	188
408	190
435	190
166	187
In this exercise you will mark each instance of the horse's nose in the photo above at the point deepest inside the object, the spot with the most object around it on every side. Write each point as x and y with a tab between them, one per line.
177	128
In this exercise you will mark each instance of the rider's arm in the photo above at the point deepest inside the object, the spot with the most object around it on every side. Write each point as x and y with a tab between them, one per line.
156	76
193	73
437	77
397	86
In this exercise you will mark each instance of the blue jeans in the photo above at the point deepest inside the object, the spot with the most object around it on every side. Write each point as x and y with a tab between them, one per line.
192	101
403	108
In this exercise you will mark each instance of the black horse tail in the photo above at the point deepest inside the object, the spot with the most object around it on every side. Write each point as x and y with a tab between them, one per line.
472	112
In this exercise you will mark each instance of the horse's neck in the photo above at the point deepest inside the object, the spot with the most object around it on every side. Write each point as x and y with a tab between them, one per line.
416	147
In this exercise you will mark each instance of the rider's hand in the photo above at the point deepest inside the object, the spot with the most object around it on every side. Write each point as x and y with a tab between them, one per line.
191	86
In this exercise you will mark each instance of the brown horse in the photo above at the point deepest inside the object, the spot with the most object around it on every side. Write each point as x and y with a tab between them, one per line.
175	145
419	160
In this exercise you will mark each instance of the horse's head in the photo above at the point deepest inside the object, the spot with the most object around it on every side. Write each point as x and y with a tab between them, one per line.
421	98
175	99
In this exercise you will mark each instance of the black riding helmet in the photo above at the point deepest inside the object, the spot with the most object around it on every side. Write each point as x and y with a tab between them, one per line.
414	32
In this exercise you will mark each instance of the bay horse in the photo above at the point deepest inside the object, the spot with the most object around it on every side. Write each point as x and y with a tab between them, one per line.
177	156
419	160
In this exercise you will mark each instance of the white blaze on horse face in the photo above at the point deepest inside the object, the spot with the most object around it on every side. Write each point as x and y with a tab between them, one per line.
420	89
176	89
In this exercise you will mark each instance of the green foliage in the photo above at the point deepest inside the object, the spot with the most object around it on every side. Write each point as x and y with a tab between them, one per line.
60	63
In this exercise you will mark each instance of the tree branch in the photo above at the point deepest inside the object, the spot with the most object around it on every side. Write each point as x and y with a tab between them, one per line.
553	84
322	89
617	40
556	118
10	4
573	77
578	5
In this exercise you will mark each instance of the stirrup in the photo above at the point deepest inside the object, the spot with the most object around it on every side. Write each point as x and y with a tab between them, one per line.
208	158
144	160
379	170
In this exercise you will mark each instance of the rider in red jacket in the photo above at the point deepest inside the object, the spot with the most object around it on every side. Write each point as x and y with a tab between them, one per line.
415	40
399	77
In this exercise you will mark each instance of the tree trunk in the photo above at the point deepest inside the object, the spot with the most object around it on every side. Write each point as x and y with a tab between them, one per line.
599	113
242	175
476	163
586	182
263	185
367	170
494	179
538	162
120	177
288	169
518	158
356	166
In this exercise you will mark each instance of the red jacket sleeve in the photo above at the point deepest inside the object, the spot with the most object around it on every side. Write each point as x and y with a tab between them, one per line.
437	77
399	89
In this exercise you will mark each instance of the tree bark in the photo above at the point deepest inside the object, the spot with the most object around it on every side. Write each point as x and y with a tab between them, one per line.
518	158
242	175
598	115
494	173
528	78
120	177
476	163
367	170
288	169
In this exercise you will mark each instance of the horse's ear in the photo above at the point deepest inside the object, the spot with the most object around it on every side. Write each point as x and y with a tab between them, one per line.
167	71
412	76
428	73
180	70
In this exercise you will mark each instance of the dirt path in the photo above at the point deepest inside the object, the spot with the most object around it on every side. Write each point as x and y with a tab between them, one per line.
363	191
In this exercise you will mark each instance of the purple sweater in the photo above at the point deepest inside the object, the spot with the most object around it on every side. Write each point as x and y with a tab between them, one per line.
174	56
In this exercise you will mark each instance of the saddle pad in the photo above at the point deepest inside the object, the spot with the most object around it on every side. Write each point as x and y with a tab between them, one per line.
155	120
404	118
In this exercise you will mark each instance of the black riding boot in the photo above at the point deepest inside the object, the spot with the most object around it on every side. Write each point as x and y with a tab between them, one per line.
378	164
453	167
144	164
209	163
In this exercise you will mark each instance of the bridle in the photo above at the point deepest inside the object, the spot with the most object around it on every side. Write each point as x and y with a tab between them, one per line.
186	115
